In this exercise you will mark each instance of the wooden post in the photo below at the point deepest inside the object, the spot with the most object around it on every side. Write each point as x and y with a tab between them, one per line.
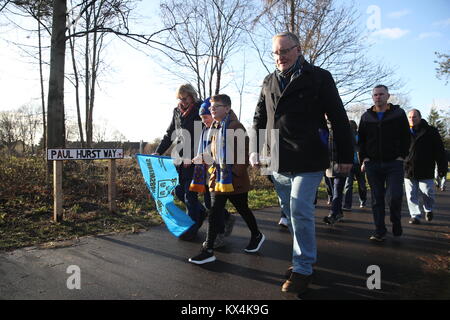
57	191
112	185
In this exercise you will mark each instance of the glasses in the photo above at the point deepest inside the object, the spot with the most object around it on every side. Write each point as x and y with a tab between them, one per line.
217	106
284	52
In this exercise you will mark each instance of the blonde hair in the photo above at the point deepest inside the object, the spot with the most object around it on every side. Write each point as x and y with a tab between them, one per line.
186	89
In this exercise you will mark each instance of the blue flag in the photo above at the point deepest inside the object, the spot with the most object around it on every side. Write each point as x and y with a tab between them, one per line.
161	178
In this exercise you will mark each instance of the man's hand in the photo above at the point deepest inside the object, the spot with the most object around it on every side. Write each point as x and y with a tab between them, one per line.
363	165
198	159
344	168
254	159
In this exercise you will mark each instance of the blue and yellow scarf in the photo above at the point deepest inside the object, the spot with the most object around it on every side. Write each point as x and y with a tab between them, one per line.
224	176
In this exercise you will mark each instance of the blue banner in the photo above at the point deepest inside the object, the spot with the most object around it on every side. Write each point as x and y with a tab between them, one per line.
161	178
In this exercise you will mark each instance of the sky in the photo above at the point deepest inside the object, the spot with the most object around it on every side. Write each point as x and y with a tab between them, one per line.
137	95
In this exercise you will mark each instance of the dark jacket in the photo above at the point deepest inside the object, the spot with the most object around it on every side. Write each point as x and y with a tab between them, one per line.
425	151
298	113
241	179
384	140
332	171
178	123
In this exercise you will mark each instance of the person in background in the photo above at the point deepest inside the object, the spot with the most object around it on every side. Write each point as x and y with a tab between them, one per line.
355	174
383	145
338	179
425	152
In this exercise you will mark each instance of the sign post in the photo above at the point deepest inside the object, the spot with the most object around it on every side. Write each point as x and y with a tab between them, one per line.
57	191
59	155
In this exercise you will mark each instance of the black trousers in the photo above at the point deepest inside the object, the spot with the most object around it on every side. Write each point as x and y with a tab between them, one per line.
216	217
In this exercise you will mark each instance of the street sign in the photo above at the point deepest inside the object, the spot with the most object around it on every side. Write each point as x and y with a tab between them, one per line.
84	154
58	155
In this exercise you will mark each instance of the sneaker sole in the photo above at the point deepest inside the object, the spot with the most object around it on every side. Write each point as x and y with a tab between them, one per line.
211	259
259	245
377	239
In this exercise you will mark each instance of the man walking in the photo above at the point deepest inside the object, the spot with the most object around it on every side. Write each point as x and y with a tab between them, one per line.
294	100
425	152
384	141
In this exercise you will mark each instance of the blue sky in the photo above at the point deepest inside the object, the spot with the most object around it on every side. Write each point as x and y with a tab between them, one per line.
409	33
137	96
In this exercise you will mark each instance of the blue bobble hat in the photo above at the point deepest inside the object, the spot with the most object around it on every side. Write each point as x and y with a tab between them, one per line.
204	108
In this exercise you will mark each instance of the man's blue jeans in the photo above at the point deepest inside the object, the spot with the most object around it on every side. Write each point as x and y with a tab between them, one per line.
385	180
297	192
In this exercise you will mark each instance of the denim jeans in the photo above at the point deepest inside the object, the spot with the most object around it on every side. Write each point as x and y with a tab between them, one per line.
195	209
360	178
297	192
413	188
385	180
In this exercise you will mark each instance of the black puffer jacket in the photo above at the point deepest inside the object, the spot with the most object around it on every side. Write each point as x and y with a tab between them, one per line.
298	113
385	139
425	151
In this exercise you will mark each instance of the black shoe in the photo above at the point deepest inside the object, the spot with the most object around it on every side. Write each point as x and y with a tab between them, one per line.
205	256
377	237
255	243
346	209
397	230
332	219
189	235
414	221
429	216
362	204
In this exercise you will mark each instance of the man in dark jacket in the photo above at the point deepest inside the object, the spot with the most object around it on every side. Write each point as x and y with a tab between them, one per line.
181	128
425	152
294	100
384	141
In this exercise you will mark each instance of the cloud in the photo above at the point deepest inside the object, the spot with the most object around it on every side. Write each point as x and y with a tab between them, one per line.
390	33
427	35
442	23
399	14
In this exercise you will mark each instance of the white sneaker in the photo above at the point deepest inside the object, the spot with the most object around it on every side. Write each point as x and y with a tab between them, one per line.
283	222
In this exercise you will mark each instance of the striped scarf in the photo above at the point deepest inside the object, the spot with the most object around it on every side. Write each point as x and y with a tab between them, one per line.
286	76
185	112
224	176
199	178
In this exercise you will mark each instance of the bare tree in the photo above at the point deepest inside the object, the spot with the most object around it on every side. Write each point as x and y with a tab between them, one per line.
28	122
330	38
9	133
209	33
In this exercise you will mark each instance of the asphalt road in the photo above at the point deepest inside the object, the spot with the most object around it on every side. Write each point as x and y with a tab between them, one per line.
153	264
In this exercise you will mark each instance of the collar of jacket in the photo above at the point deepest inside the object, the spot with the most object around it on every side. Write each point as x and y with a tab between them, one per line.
421	128
372	108
297	82
391	107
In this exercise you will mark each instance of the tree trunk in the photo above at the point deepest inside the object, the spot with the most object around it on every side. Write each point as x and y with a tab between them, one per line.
55	120
292	27
87	82
77	91
41	77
